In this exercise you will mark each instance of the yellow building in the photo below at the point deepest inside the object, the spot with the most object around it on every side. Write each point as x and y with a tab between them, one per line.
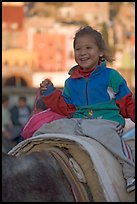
18	63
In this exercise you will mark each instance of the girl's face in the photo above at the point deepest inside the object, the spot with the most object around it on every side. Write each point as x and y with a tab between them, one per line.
86	52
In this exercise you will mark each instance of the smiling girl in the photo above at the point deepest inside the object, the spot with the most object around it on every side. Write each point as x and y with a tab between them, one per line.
94	91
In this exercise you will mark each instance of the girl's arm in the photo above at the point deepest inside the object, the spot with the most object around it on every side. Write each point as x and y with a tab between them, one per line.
54	99
123	95
127	107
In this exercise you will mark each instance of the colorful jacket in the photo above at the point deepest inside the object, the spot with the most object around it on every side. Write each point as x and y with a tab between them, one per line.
104	94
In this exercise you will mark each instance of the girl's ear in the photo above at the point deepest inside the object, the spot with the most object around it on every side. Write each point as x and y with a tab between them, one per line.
101	55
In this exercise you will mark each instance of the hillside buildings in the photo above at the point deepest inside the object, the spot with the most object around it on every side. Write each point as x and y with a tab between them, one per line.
41	45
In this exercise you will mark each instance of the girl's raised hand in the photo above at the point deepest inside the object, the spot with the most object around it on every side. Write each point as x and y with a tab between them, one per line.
44	85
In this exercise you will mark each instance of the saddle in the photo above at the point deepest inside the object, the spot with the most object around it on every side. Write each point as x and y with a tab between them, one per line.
75	163
93	173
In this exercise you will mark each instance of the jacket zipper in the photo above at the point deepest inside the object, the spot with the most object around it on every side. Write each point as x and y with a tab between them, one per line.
87	90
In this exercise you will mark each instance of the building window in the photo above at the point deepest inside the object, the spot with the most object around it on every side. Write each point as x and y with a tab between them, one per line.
15	81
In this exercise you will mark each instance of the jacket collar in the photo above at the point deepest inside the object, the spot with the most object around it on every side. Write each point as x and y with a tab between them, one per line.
74	71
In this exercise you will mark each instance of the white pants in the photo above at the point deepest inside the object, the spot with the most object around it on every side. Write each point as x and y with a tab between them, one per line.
106	132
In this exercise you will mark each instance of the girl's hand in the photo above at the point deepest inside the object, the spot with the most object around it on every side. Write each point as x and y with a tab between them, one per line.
44	85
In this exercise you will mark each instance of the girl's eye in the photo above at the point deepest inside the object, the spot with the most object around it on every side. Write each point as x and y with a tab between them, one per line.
77	49
89	48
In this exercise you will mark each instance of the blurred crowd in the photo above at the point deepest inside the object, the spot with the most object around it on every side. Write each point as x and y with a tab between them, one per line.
13	120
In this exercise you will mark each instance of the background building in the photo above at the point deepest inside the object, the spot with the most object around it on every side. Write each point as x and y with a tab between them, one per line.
37	38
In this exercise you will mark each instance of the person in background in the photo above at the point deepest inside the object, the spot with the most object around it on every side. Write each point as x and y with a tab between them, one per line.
95	92
9	131
20	113
6	120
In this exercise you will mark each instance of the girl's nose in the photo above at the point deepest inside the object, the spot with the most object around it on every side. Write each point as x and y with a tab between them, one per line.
83	52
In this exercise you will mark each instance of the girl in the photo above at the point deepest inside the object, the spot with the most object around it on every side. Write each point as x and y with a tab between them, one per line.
94	91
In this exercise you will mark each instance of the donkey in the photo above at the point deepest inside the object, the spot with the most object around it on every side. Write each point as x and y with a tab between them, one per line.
34	177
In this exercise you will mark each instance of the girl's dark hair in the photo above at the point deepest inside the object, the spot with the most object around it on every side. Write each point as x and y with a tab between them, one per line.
99	41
